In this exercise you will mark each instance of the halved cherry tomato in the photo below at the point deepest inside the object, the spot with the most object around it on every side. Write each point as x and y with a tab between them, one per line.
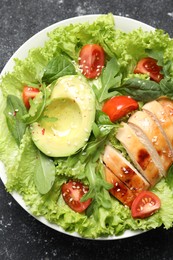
72	193
149	66
29	93
91	60
119	106
145	205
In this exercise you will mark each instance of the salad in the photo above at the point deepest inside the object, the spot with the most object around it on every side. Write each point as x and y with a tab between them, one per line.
73	118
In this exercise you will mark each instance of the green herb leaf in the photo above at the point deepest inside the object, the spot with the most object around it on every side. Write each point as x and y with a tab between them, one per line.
58	67
98	189
103	123
49	119
110	78
14	112
141	89
166	88
102	118
156	54
96	130
93	150
146	90
37	106
94	147
44	173
169	177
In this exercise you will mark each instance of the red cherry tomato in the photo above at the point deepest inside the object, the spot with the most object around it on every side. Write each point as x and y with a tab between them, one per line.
149	66
145	204
29	93
72	193
91	60
119	106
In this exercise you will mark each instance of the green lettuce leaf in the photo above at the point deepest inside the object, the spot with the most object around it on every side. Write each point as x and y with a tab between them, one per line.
14	111
20	162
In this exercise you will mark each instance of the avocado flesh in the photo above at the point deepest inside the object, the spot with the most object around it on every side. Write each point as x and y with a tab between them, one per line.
67	121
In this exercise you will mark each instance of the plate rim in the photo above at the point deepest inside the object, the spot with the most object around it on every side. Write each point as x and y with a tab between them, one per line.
23	52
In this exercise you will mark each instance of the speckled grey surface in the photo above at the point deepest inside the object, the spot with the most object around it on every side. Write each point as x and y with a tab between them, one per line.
21	236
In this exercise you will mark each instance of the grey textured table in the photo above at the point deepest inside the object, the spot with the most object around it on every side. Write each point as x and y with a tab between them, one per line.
22	236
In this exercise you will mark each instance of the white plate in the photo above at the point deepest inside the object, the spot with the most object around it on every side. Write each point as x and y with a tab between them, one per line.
122	23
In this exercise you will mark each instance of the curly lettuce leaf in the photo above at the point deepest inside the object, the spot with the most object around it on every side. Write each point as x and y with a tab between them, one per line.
20	161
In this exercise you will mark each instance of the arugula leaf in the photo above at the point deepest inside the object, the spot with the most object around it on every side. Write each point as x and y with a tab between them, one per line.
14	112
93	150
103	123
94	147
44	173
141	89
169	177
58	67
96	130
37	106
98	190
110	78
102	119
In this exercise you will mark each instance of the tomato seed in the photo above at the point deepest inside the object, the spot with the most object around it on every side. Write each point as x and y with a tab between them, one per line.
141	208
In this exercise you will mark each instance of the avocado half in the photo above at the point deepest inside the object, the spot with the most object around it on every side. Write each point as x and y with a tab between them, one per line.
67	121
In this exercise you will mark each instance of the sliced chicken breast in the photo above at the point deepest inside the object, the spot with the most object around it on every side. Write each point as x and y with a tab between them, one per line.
146	127
119	190
124	170
163	121
139	154
167	104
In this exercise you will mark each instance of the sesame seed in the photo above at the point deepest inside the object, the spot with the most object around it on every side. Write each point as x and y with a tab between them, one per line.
154	139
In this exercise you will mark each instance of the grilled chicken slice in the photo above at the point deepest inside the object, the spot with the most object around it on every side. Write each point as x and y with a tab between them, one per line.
167	104
163	121
119	190
139	154
147	128
124	170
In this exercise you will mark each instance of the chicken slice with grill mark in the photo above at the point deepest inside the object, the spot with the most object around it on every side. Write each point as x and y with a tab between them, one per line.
119	190
139	154
163	121
124	170
146	142
146	127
